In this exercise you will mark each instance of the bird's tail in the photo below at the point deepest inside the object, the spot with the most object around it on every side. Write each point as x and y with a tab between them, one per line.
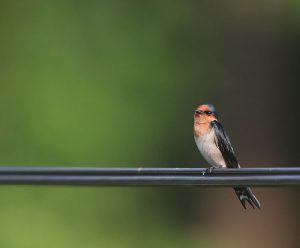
245	195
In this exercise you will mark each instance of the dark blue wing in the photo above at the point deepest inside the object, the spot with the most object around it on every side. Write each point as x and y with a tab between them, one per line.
223	143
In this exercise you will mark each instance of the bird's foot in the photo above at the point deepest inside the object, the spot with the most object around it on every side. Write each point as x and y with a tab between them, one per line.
208	171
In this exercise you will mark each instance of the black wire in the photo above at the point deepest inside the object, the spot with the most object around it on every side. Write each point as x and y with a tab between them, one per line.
149	176
125	180
20	170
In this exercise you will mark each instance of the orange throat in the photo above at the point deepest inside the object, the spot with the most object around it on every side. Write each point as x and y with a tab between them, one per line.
201	128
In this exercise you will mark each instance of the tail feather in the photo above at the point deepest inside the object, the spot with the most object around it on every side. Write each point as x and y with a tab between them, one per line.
245	195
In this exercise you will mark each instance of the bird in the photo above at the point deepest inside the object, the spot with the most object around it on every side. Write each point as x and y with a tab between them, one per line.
215	147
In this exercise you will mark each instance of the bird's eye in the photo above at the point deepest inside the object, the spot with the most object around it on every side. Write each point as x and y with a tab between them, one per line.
199	112
208	113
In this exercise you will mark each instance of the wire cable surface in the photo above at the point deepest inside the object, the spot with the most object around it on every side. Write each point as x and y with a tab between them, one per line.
93	176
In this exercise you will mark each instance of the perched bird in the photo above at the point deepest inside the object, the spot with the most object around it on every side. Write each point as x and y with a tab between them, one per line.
214	145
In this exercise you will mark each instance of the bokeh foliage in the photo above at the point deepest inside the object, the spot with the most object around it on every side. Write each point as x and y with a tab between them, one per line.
97	83
114	84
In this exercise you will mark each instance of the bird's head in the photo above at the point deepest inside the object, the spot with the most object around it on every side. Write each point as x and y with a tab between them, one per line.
205	114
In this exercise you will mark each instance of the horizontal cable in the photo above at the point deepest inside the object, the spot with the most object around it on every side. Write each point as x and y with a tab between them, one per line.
285	180
20	170
149	176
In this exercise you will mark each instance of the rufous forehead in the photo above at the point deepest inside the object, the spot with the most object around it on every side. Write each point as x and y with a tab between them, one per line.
203	108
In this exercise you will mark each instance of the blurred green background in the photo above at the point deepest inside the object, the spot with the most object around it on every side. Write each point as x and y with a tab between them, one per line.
115	84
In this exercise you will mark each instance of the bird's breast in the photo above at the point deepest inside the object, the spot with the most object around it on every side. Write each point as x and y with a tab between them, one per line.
209	150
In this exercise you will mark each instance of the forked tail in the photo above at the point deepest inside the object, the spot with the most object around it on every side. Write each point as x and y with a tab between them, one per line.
245	195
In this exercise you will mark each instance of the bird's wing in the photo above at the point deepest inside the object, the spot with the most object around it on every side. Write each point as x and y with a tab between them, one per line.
223	143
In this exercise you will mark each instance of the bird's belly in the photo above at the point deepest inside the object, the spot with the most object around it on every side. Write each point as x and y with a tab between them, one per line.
210	151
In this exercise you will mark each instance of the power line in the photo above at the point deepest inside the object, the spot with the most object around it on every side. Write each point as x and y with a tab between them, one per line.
77	176
290	180
55	170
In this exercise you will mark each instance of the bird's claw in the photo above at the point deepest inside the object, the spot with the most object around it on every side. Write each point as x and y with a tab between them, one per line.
208	171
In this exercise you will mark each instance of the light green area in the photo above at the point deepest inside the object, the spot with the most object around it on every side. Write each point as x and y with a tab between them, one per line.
99	83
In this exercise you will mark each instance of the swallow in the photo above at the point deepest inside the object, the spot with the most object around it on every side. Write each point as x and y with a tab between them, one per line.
214	145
